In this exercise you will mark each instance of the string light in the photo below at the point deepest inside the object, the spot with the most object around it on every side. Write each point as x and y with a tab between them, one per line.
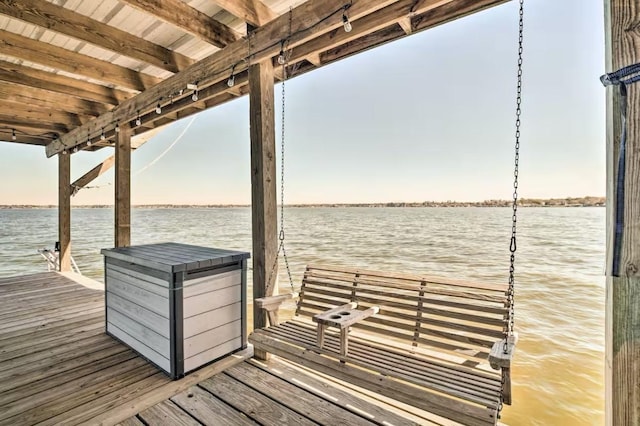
281	58
346	23
194	97
102	136
232	79
75	149
117	129
138	121
64	152
13	135
88	140
158	109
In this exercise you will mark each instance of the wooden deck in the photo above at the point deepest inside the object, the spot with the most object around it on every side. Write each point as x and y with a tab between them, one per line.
58	366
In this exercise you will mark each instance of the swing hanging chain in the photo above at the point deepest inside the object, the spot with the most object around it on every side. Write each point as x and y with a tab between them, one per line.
514	218
281	235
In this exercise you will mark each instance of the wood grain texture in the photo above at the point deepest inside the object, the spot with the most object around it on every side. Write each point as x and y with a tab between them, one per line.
122	203
263	184
79	89
75	63
94	173
64	211
189	19
623	293
253	12
81	27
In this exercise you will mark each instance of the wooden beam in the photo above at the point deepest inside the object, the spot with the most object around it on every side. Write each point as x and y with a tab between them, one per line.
123	188
65	21
406	25
64	211
189	19
45	99
39	79
253	12
46	115
11	121
66	60
7	136
92	174
263	186
305	22
622	366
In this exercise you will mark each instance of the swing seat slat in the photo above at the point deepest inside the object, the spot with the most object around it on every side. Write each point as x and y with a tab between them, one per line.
427	346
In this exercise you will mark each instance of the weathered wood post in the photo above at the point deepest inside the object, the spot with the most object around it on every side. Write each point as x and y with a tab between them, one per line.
64	211
123	187
263	185
623	292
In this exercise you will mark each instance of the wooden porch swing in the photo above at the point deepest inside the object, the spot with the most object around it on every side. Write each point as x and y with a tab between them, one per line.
444	346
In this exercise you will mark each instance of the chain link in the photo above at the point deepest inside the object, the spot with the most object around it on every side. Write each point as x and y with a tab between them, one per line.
281	235
514	217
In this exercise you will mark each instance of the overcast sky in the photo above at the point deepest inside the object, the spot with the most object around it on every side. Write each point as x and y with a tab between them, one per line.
429	117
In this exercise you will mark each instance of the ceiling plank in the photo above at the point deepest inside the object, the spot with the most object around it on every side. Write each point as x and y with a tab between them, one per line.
39	79
253	12
45	99
189	19
302	24
64	21
66	60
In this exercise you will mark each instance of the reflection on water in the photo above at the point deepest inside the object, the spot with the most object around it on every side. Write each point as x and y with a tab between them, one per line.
558	372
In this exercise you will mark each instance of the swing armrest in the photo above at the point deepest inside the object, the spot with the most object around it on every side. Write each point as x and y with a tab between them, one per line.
498	358
272	303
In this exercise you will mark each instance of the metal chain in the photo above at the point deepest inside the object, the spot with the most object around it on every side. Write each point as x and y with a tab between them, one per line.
281	235
514	217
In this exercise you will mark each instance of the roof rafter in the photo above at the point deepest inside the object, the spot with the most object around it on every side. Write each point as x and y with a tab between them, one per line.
32	126
305	22
66	60
46	99
65	21
7	136
253	12
189	19
39	79
44	115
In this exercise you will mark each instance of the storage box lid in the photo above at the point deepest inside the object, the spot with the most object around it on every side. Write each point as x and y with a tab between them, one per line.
175	257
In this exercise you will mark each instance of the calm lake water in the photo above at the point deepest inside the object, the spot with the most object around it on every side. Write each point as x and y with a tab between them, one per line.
558	373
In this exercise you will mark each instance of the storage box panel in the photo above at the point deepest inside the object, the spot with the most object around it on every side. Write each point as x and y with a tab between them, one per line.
143	334
214	300
139	347
202	358
139	314
152	301
199	286
211	338
206	321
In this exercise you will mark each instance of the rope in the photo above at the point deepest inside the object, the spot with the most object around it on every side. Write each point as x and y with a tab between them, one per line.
154	161
621	78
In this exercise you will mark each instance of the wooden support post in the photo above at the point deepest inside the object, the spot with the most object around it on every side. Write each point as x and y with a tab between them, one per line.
263	186
64	211
123	188
623	292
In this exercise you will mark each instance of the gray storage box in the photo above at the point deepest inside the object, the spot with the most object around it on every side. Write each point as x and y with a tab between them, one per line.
177	305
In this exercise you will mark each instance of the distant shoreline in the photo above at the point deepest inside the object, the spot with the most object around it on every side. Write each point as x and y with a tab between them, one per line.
525	202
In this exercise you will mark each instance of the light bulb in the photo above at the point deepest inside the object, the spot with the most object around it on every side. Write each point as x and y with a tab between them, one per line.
158	109
117	129
88	142
194	97
102	136
13	135
138	121
64	152
346	23
281	59
232	81
75	149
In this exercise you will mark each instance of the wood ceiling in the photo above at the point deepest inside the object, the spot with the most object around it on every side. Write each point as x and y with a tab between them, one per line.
71	70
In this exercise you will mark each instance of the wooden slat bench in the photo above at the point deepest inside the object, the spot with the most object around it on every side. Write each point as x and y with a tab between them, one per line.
428	346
